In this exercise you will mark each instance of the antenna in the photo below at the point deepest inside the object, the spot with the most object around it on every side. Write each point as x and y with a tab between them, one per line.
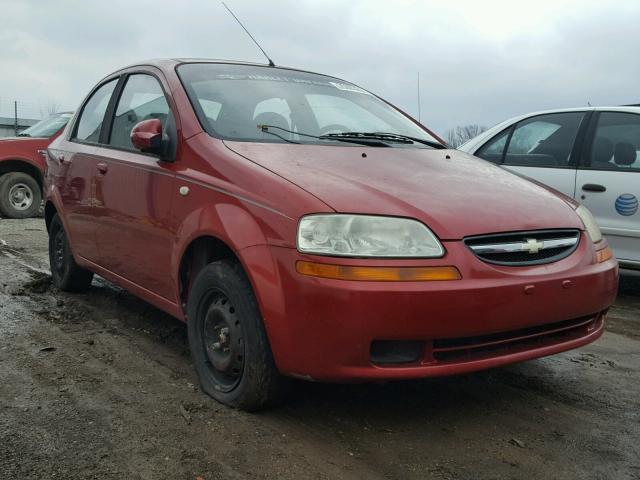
419	107
271	64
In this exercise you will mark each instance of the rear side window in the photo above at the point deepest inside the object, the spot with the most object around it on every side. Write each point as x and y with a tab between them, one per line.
544	140
92	116
142	99
616	144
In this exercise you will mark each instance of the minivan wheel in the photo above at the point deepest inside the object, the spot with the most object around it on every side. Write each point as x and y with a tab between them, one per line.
65	272
228	342
20	195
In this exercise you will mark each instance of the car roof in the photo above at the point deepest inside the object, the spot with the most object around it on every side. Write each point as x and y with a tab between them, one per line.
170	63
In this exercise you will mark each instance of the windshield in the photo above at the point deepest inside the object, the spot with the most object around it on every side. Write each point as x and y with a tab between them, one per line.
233	101
47	127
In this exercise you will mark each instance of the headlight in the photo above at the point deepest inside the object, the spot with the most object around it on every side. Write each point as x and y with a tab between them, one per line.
366	236
590	224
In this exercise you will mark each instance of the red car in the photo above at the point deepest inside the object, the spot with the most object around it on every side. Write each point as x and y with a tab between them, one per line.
22	166
304	227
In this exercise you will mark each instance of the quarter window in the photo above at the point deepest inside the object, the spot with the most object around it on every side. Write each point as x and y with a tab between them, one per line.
616	144
493	150
142	99
544	140
92	116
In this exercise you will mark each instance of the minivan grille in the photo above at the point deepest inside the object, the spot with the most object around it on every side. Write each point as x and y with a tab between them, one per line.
524	248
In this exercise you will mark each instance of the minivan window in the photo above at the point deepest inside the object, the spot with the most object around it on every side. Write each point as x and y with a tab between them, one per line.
544	140
142	99
301	102
92	115
616	144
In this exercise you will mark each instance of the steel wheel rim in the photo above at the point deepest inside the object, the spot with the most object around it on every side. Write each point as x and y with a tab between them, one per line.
20	196
223	341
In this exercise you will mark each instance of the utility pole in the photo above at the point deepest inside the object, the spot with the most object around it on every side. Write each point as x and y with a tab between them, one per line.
15	117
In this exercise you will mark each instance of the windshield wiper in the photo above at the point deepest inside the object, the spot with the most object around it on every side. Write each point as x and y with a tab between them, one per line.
21	134
265	129
363	141
384	136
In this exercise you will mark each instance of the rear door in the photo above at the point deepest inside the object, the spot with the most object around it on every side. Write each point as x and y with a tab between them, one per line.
74	162
542	147
134	191
608	180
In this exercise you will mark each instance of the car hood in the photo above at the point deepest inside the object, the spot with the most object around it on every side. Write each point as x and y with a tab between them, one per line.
21	140
454	193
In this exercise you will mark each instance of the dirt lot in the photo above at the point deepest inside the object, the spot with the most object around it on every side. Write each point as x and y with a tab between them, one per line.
100	385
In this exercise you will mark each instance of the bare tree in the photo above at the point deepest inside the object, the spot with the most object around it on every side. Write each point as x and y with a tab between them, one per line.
50	108
458	135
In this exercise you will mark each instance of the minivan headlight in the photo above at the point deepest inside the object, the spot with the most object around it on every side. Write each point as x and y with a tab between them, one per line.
366	236
590	224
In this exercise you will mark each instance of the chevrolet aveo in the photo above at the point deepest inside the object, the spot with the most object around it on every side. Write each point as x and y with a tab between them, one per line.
303	227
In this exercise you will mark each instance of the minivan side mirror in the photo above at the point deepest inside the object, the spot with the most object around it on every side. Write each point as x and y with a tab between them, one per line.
146	136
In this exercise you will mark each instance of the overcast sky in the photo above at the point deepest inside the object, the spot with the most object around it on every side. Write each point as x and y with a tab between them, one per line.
479	61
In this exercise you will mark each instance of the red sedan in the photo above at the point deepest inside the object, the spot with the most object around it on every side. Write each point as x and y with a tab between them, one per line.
22	166
304	227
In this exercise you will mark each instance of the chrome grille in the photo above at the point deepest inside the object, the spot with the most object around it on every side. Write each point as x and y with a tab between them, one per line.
524	248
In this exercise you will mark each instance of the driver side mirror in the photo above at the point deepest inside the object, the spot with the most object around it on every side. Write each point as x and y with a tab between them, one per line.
147	136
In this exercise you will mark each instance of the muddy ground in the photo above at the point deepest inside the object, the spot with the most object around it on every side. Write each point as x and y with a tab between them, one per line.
100	385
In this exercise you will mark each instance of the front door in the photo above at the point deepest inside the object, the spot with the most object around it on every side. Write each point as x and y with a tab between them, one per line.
608	181
540	147
134	192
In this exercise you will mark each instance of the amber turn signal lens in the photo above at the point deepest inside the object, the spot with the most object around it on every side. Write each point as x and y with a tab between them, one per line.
604	254
377	274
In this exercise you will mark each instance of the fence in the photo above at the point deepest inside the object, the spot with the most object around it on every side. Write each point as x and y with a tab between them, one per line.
16	115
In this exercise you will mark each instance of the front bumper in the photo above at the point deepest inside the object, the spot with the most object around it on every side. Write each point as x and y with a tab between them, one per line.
323	329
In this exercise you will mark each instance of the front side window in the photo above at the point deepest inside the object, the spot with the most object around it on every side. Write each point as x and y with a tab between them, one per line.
298	105
92	116
616	144
142	99
544	140
47	127
493	150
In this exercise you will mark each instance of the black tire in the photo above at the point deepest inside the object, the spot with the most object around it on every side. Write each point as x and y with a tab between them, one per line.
65	272
20	195
235	367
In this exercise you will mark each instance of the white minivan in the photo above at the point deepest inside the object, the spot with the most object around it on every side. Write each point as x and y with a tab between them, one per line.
590	154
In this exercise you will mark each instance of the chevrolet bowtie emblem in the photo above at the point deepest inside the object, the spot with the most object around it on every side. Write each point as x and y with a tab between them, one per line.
532	245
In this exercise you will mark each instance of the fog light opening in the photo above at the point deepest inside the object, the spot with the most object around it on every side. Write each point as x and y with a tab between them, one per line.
395	352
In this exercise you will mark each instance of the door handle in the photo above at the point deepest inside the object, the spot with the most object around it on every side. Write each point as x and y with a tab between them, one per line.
593	187
102	168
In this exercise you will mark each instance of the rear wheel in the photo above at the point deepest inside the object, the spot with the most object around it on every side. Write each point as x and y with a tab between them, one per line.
229	345
20	195
65	272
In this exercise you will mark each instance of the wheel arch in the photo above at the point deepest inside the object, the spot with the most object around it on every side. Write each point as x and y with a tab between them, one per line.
49	211
199	252
24	166
211	233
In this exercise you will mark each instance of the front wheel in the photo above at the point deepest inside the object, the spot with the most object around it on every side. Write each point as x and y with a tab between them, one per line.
20	195
228	342
66	274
